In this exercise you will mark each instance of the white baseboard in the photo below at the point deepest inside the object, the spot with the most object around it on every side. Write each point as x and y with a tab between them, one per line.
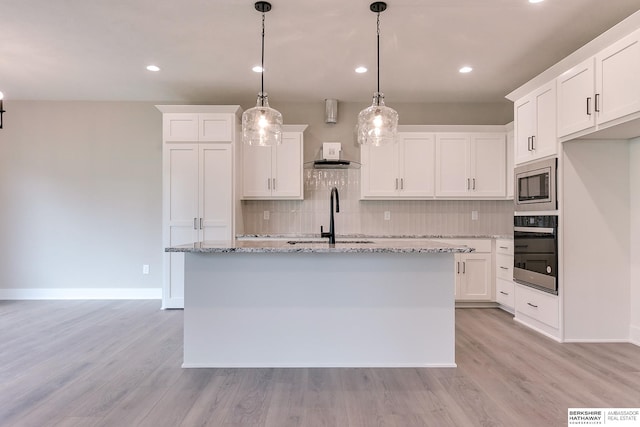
80	293
596	341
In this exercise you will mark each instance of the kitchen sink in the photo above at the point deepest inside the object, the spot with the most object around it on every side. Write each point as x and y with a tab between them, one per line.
306	242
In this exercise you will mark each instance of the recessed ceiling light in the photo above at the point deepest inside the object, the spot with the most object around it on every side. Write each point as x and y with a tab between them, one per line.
466	69
153	68
536	1
257	69
361	70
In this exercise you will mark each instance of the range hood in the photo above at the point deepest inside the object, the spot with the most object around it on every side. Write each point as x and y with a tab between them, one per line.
330	154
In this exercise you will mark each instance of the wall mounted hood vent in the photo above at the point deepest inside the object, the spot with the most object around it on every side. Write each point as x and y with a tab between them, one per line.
331	158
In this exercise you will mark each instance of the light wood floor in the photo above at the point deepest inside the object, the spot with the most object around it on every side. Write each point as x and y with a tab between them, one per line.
117	363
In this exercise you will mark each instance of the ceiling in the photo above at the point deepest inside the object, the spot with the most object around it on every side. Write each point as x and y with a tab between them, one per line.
98	50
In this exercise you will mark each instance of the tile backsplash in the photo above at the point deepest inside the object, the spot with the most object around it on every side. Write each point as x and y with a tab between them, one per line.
406	217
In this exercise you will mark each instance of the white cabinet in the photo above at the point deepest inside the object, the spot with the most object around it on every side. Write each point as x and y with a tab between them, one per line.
404	170
537	308
214	127
471	166
505	290
473	270
535	124
274	172
198	182
601	91
510	163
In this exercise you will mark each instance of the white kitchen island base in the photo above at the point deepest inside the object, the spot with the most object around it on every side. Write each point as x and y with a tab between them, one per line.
319	310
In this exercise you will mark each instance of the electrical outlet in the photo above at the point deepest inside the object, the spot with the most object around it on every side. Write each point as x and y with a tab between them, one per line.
265	215
387	215
474	215
145	269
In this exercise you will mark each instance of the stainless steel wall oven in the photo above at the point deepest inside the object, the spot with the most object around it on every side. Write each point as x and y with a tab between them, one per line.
535	261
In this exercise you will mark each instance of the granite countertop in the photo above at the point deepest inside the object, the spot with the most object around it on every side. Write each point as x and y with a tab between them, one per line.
364	236
314	246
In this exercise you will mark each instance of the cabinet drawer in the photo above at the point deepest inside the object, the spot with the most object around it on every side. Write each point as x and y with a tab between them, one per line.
504	266
537	305
504	246
505	292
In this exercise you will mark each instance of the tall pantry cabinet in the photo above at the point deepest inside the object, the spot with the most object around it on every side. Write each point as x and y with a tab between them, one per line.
198	156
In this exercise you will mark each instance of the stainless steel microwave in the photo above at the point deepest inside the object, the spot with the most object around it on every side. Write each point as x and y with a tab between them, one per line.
535	186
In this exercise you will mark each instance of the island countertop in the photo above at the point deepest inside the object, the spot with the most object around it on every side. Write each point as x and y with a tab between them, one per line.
360	245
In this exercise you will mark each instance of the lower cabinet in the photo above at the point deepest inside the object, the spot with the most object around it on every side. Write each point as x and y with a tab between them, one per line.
505	291
538	310
473	277
473	271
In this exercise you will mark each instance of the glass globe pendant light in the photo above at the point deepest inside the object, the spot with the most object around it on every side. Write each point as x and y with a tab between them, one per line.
377	124
262	125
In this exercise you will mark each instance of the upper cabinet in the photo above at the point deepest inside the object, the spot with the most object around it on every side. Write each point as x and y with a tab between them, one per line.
471	166
404	170
274	172
535	124
201	127
602	91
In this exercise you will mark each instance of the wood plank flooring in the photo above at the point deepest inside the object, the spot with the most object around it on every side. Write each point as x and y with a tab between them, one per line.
117	363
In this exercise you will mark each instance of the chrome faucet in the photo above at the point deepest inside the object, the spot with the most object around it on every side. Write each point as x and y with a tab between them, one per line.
332	230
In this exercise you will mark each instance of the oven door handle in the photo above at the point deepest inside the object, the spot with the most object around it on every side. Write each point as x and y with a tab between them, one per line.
538	230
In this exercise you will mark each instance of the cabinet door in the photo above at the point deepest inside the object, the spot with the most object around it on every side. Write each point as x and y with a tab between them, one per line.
256	171
575	99
545	141
417	165
287	167
180	212
180	127
215	127
488	167
476	277
216	198
379	173
510	159
452	165
617	81
524	128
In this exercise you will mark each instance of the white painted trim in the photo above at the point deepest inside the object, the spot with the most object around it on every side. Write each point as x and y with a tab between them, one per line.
537	329
80	293
319	365
596	341
634	335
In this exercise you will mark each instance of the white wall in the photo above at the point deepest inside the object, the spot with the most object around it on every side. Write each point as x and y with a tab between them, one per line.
634	166
595	230
80	195
81	187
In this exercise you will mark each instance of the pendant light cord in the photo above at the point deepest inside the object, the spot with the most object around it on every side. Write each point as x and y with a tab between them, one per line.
262	60
378	52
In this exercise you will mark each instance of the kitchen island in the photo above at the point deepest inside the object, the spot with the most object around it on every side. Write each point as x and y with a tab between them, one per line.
278	303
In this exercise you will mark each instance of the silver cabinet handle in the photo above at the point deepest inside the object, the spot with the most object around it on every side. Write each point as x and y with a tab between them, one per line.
268	183
396	183
474	183
464	267
200	223
504	268
503	247
532	305
503	293
195	223
533	143
402	183
588	106
528	143
274	183
468	183
597	106
458	267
